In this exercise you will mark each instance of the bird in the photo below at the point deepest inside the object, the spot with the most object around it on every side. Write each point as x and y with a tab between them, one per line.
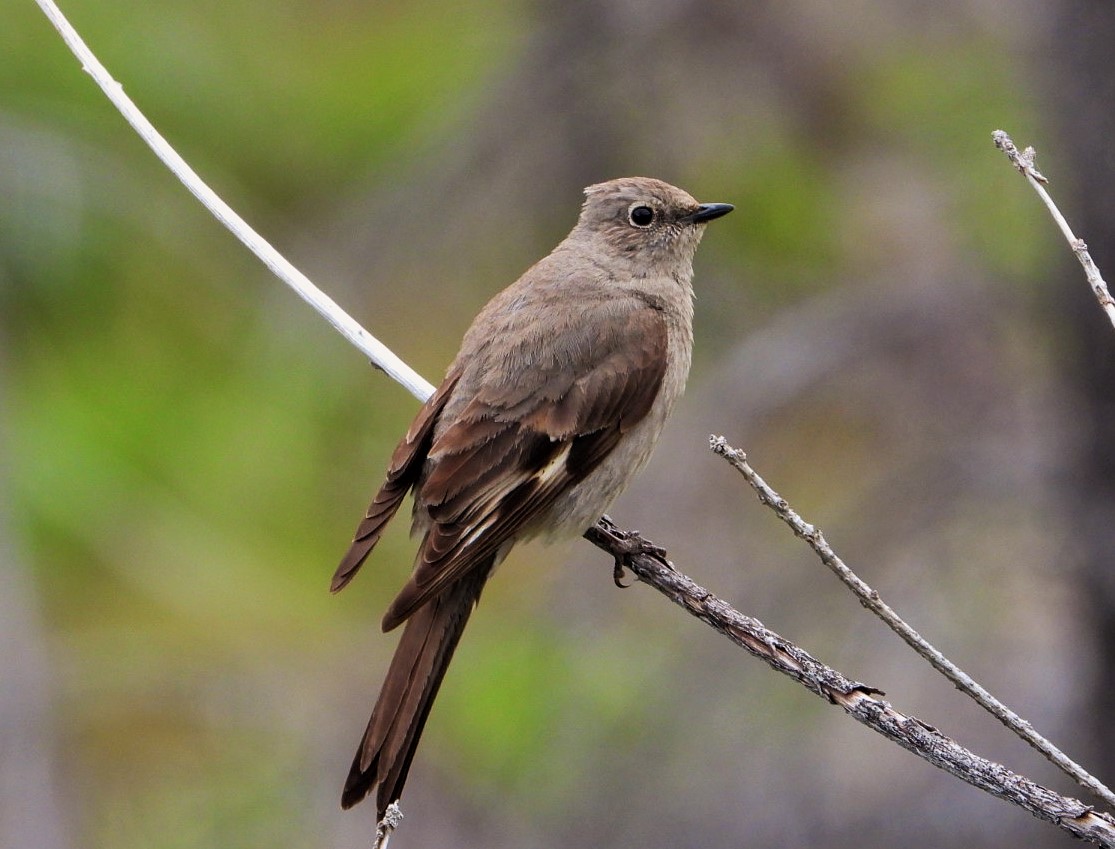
559	391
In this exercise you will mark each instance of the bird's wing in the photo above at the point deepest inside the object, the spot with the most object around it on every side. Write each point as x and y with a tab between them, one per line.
516	447
402	474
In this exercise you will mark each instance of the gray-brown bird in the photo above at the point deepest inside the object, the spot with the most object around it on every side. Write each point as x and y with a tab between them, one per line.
558	394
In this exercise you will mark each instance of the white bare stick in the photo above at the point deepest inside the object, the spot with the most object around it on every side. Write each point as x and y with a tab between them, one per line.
870	599
380	355
1024	162
392	817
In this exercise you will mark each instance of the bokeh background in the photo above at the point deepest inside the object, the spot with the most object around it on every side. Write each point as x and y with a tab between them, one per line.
889	325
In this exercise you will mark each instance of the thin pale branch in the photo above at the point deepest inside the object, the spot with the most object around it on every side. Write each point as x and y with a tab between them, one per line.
380	355
1024	162
870	599
858	700
392	818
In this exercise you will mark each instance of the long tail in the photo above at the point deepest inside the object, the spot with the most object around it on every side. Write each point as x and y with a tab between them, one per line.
421	658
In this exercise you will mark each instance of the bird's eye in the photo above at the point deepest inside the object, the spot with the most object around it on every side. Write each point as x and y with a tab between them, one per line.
641	215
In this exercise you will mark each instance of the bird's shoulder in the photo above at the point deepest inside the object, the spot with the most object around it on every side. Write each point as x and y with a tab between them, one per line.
566	313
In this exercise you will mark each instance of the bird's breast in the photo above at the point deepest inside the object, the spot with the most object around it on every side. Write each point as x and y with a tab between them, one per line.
577	510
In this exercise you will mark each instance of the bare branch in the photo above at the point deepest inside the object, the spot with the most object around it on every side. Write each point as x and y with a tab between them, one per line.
1024	162
392	818
870	599
380	355
857	699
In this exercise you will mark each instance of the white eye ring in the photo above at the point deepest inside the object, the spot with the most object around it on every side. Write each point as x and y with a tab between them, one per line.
641	214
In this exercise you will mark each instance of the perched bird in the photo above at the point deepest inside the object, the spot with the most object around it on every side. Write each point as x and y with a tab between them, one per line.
558	394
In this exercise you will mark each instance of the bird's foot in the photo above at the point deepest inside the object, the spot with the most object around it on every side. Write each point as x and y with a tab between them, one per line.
628	545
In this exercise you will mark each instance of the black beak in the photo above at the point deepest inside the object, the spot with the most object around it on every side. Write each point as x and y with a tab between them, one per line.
707	212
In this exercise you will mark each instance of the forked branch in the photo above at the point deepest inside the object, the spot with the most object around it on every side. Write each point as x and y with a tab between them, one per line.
858	700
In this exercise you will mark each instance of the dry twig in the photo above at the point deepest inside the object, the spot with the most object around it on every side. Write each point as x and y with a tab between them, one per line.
1024	162
381	356
392	819
870	599
858	700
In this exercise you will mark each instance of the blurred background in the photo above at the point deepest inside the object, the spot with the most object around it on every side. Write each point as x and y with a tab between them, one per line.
889	324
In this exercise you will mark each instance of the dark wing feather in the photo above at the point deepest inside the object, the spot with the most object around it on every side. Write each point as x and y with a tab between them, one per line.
402	474
509	455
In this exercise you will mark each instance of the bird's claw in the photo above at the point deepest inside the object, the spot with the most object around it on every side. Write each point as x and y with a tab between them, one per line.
627	546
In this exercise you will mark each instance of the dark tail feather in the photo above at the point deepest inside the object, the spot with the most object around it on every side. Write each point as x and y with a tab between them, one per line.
421	658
